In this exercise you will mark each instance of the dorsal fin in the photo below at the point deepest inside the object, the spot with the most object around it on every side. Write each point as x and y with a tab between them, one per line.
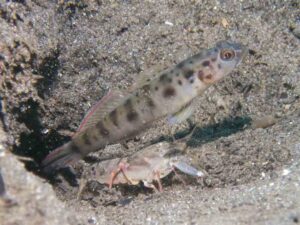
103	107
148	75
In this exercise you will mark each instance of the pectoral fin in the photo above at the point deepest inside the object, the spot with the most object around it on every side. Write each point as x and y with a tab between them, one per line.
182	114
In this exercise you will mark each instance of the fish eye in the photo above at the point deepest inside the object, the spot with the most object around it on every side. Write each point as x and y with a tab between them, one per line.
227	54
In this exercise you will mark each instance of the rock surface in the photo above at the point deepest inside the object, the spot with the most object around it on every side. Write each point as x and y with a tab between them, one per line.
33	200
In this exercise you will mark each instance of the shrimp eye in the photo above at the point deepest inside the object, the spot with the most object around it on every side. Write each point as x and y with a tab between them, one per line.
227	54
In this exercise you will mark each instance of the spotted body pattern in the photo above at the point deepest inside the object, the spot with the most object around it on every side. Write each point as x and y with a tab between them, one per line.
119	116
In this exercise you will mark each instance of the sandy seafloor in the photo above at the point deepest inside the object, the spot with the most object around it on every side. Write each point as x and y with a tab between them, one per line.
58	58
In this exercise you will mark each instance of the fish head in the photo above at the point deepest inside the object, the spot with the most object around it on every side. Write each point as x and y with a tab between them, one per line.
220	61
229	55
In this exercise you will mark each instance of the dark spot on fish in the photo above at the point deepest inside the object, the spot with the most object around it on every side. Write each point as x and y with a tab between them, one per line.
188	74
169	92
208	76
86	139
206	63
177	74
150	102
163	77
201	75
131	116
114	117
131	113
148	79
179	82
146	87
191	62
181	65
192	81
252	52
214	59
128	105
156	88
219	66
74	148
172	71
103	131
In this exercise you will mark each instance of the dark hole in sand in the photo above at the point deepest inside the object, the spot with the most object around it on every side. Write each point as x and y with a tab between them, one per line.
35	143
49	70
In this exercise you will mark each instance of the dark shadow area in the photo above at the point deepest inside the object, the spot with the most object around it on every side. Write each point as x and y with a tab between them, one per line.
3	116
36	143
212	132
70	8
202	135
49	70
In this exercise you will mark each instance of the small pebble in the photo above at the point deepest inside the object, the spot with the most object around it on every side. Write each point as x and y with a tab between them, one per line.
285	172
45	131
224	23
296	31
263	122
92	220
169	23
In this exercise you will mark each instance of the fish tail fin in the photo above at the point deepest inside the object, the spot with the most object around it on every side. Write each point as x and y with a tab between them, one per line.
61	157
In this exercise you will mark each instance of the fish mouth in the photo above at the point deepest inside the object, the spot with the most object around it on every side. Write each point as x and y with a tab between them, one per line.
241	53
